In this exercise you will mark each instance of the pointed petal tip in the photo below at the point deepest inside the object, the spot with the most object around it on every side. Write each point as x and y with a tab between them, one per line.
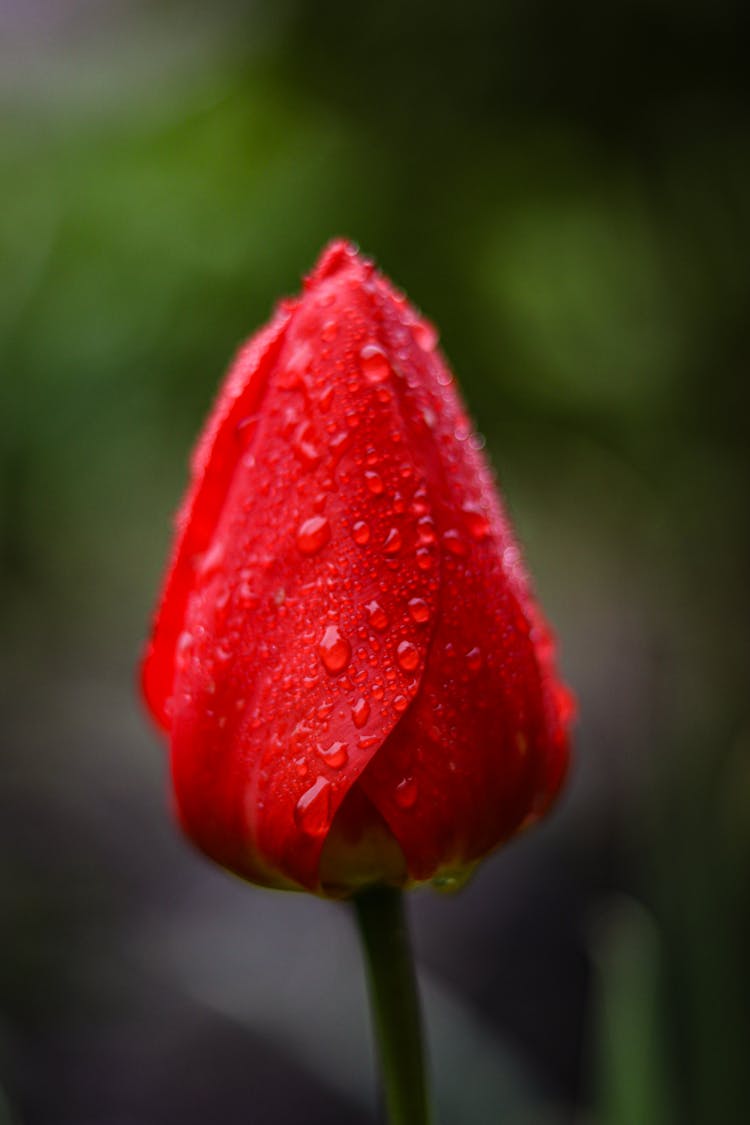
340	254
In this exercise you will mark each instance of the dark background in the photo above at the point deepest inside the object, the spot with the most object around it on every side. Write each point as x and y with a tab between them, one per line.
565	191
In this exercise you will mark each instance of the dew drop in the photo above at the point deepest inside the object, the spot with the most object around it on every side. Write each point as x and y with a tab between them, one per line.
477	523
374	482
426	531
303	444
329	331
297	365
393	542
335	651
367	741
406	793
184	644
419	610
361	533
313	535
424	557
335	755
313	809
377	616
400	703
245	429
474	659
454	543
426	335
326	398
407	656
360	712
211	562
374	364
337	445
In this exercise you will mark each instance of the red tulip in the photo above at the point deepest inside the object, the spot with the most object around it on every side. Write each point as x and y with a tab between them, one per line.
355	679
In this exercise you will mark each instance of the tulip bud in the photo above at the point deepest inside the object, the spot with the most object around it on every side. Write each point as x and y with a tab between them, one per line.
355	680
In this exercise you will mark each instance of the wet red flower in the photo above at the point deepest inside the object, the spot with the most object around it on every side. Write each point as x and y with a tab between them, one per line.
355	680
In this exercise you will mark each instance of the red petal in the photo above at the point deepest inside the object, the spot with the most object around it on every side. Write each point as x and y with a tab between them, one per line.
212	466
483	746
346	607
298	652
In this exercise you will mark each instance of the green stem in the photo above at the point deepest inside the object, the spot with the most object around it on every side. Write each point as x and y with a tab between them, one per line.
394	999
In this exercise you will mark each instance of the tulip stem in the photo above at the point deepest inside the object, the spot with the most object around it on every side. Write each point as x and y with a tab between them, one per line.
394	1000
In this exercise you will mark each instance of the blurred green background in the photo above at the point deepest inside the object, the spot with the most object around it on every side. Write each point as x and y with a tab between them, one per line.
565	191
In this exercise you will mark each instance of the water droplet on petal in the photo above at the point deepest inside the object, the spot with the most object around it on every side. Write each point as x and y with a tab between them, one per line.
297	365
407	656
360	712
335	755
474	659
374	363
375	484
313	535
400	703
424	558
361	533
338	444
367	741
245	429
419	610
313	809
326	398
426	335
477	523
303	444
335	651
454	543
377	616
210	562
406	793
392	544
184	646
426	533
